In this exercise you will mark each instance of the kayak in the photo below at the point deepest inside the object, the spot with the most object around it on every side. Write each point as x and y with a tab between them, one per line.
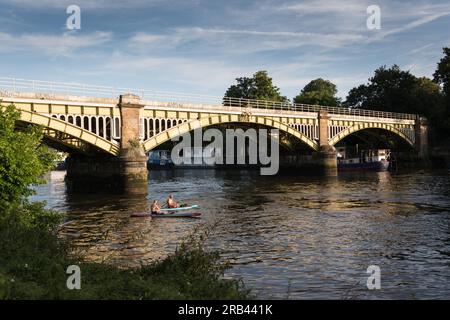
194	206
167	215
177	215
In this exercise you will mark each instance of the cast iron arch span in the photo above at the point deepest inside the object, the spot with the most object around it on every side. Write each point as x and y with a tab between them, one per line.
362	126
53	126
185	127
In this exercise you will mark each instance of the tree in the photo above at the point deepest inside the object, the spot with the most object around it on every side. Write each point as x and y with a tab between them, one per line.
395	90
427	93
442	77
359	97
442	74
259	87
388	90
23	158
320	92
392	89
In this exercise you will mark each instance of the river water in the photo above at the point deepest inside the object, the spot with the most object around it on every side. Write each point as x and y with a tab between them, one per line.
286	236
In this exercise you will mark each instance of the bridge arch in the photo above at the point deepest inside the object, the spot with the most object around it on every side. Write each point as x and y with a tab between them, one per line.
78	136
187	126
362	126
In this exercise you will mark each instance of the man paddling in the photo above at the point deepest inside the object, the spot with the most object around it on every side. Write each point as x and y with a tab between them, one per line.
172	203
154	208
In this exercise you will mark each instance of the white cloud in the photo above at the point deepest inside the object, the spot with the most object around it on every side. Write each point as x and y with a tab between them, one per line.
145	41
213	76
396	17
409	26
348	7
53	45
238	41
88	4
206	75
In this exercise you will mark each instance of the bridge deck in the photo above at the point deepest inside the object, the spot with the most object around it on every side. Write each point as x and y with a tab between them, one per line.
109	95
96	111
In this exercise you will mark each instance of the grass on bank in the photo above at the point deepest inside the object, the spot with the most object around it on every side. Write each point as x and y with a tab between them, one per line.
34	260
33	263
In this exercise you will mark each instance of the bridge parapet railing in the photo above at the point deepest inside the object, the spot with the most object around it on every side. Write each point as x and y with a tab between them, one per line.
16	85
38	86
276	105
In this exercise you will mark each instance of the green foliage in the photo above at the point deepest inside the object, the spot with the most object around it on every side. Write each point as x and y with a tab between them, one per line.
442	74
442	77
23	158
392	89
30	251
388	90
258	87
319	92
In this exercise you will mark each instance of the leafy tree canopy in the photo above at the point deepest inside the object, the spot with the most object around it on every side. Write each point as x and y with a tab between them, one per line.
23	159
442	77
442	74
320	92
392	89
258	87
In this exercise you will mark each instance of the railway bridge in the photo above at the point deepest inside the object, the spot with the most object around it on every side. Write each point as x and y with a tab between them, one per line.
111	129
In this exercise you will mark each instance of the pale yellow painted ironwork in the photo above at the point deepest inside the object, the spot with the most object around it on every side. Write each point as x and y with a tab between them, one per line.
184	127
369	125
71	130
299	121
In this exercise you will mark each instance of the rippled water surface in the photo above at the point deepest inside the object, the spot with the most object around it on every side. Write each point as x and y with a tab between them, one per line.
287	237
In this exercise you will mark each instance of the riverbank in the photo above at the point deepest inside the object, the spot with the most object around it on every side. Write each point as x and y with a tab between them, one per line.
34	261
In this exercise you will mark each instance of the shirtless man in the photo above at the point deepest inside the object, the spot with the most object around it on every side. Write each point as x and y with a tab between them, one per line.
172	203
154	208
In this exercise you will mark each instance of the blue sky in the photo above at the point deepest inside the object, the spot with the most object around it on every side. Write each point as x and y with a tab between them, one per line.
201	46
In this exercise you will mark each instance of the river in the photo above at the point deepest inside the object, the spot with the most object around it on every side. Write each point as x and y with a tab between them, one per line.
287	237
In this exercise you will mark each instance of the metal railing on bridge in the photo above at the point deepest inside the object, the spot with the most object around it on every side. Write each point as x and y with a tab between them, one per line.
275	105
16	85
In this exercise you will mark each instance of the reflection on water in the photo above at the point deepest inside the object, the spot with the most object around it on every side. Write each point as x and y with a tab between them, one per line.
287	237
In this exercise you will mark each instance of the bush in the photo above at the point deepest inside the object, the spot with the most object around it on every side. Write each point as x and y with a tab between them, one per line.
23	158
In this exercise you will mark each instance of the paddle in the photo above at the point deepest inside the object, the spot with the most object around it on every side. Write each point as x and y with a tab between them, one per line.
164	205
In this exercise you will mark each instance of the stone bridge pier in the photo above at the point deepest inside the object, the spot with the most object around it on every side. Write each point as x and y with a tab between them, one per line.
323	161
326	156
126	173
421	138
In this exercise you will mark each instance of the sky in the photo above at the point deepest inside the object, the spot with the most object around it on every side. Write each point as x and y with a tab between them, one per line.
201	46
